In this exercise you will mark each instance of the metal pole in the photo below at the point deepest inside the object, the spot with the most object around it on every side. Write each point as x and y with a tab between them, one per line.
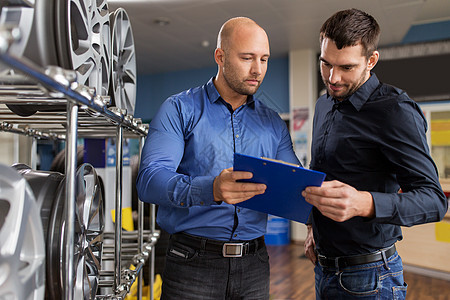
140	227
118	223
152	251
71	162
33	157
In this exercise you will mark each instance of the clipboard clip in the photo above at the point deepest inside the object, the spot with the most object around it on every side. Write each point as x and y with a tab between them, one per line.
281	162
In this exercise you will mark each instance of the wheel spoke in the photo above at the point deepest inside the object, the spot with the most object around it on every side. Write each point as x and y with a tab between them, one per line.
80	284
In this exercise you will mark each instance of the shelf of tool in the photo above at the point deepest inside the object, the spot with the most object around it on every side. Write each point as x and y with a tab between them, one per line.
86	115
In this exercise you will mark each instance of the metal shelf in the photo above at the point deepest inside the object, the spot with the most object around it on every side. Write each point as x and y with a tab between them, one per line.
52	125
79	113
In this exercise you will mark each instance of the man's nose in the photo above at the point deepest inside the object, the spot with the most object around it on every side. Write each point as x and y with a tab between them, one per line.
335	76
256	67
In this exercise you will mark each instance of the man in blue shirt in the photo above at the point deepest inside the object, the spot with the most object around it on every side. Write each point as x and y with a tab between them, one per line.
369	138
216	250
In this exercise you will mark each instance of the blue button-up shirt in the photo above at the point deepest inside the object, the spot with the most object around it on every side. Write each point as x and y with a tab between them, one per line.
191	140
375	141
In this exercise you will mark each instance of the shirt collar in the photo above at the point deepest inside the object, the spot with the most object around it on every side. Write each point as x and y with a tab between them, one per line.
360	97
211	90
214	95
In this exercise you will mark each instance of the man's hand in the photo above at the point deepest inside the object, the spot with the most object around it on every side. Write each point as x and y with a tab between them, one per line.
339	201
310	246
227	189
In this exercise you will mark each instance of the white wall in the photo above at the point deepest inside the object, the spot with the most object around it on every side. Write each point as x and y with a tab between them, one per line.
8	154
11	152
303	93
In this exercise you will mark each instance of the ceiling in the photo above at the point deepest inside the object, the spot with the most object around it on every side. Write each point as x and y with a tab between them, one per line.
189	38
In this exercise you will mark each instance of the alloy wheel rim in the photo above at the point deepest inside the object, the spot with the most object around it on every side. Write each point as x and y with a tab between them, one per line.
89	227
123	80
22	247
89	42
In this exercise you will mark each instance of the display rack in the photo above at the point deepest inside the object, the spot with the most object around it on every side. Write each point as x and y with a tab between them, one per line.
86	115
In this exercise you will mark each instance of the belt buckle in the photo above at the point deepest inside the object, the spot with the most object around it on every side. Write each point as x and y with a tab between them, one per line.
232	249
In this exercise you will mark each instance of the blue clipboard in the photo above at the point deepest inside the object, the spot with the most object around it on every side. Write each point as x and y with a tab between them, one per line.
285	183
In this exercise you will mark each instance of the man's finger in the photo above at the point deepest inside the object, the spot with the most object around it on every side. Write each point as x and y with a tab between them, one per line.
250	187
336	192
238	175
241	197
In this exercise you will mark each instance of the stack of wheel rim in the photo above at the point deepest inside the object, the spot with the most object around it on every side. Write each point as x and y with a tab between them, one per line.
78	35
33	231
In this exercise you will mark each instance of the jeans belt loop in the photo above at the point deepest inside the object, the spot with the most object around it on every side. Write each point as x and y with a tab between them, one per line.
336	263
203	246
383	255
246	249
233	249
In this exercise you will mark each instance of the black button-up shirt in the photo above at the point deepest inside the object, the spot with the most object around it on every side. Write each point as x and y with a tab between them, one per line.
375	141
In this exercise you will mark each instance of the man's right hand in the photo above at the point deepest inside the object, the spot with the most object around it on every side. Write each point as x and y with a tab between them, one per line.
227	189
310	246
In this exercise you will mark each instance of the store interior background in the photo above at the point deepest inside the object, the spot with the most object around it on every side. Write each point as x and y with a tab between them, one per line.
175	40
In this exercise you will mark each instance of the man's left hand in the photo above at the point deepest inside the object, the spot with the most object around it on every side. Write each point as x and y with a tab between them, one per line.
339	201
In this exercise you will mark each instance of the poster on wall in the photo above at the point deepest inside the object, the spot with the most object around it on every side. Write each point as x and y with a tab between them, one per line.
300	129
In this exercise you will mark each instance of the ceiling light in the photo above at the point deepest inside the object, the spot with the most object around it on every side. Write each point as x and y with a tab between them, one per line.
162	21
147	1
205	44
128	1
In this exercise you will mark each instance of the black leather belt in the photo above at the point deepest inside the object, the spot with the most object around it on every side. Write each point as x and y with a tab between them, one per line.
226	249
353	260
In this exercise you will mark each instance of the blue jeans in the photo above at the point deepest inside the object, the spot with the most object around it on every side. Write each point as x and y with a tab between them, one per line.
368	281
195	274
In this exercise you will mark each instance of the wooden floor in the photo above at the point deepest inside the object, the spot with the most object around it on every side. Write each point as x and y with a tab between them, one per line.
292	277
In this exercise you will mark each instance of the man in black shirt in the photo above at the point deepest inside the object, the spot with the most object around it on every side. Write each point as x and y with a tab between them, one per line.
369	138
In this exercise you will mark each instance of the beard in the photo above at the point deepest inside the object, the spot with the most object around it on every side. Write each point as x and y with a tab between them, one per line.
237	84
349	89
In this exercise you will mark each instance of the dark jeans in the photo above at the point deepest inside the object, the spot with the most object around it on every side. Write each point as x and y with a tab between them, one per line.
206	275
368	281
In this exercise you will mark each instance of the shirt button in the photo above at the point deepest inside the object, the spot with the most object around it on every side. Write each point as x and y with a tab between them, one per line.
201	203
182	203
235	235
238	210
237	135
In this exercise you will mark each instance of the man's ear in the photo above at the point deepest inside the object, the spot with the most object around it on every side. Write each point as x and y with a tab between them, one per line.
373	59
219	56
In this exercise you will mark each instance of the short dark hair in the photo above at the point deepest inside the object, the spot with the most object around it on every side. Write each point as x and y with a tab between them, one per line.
352	27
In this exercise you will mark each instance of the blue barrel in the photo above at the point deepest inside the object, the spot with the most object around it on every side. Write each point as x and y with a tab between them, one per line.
277	231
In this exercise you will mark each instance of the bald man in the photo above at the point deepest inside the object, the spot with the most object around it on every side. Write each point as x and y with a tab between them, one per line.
216	250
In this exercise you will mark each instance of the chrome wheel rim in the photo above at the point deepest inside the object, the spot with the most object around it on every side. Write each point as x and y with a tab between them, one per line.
89	227
87	42
123	80
20	15
90	223
22	247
